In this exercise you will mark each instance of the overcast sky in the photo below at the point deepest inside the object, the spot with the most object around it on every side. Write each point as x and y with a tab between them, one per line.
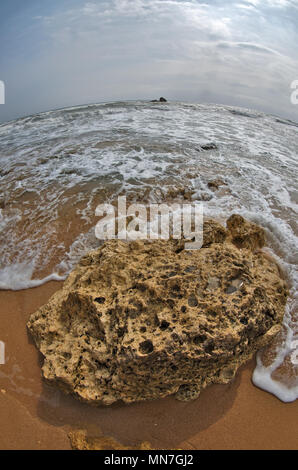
57	53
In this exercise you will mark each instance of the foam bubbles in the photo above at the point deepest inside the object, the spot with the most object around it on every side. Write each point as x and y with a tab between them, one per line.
18	276
262	376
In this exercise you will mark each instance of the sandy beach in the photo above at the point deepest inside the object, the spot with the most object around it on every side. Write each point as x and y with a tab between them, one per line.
37	416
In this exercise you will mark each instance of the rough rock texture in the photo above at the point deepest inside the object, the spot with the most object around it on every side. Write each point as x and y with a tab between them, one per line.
245	234
144	320
79	440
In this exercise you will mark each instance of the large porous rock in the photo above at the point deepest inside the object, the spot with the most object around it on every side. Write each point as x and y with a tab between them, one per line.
143	320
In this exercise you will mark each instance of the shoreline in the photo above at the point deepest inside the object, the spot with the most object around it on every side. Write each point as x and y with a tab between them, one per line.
37	416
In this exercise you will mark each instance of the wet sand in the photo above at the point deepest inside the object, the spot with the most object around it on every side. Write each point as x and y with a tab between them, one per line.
34	415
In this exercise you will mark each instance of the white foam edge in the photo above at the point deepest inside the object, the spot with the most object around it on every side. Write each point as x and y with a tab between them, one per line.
18	276
262	376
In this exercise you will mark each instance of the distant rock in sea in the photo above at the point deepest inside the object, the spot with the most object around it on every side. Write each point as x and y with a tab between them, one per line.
146	319
161	100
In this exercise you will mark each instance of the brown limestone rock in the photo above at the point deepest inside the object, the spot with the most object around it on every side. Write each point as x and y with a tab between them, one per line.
143	320
79	440
245	234
213	233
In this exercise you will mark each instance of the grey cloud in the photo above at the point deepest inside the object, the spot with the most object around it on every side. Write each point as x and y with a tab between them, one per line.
231	52
247	46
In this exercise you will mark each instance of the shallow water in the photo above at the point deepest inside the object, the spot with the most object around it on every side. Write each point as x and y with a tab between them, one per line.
56	167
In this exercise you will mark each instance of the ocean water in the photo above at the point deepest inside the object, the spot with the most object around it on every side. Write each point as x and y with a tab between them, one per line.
56	167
